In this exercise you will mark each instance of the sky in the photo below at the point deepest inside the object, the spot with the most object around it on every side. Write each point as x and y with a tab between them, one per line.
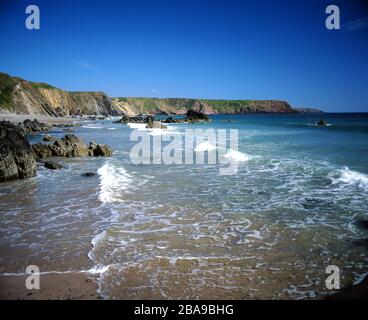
214	49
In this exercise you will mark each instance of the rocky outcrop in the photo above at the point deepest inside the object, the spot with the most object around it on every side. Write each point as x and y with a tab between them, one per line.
48	138
53	165
196	116
70	146
88	174
322	123
17	159
173	120
134	119
31	127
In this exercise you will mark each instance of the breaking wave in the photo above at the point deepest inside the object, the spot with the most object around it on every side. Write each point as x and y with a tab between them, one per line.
113	179
353	178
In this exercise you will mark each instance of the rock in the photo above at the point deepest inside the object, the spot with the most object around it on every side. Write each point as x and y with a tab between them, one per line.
92	145
41	150
53	165
88	174
34	126
173	120
196	116
322	123
155	125
48	137
354	292
360	242
362	221
70	146
17	159
135	119
102	150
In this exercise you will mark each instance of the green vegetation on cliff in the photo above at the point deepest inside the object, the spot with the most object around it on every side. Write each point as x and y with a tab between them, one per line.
7	84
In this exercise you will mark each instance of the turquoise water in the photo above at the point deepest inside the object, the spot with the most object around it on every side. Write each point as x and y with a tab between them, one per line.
184	231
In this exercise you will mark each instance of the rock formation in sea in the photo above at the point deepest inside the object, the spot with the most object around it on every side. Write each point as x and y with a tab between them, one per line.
70	146
17	159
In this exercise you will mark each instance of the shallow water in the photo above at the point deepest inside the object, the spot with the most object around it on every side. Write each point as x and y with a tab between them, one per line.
184	231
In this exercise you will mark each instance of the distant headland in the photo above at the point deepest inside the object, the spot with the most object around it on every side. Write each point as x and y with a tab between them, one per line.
36	98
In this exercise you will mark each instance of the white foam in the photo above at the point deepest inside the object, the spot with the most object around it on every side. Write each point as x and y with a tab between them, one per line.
139	126
204	146
98	238
353	178
159	132
237	156
98	269
113	180
92	126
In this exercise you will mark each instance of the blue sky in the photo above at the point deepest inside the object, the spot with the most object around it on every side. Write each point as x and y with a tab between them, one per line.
260	49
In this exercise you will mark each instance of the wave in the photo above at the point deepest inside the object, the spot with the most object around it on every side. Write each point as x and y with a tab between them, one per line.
139	126
237	156
113	179
353	178
204	146
92	126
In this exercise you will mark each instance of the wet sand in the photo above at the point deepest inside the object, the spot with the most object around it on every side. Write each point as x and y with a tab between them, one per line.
70	286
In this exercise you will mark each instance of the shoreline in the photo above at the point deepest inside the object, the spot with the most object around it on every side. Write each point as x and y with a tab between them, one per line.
16	118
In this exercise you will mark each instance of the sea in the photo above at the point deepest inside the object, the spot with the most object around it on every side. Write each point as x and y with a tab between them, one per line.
184	231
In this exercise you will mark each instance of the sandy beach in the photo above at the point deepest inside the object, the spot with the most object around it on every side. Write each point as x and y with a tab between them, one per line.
16	118
68	286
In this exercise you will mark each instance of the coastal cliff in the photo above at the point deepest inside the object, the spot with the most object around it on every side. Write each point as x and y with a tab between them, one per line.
35	98
133	106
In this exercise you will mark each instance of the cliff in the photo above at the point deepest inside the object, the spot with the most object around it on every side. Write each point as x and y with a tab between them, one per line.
35	98
25	97
132	106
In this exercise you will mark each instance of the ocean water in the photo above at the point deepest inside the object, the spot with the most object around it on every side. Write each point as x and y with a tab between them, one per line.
184	231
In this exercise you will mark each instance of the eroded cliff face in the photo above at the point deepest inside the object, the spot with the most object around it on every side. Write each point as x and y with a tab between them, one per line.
133	106
24	97
33	98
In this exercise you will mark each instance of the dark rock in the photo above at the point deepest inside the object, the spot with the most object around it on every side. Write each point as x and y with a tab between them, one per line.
196	116
353	292
70	146
173	120
322	123
17	159
48	137
53	165
360	242
362	221
136	119
88	174
41	150
102	150
34	126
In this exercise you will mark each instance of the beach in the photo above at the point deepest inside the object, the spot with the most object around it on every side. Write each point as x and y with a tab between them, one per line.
184	231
